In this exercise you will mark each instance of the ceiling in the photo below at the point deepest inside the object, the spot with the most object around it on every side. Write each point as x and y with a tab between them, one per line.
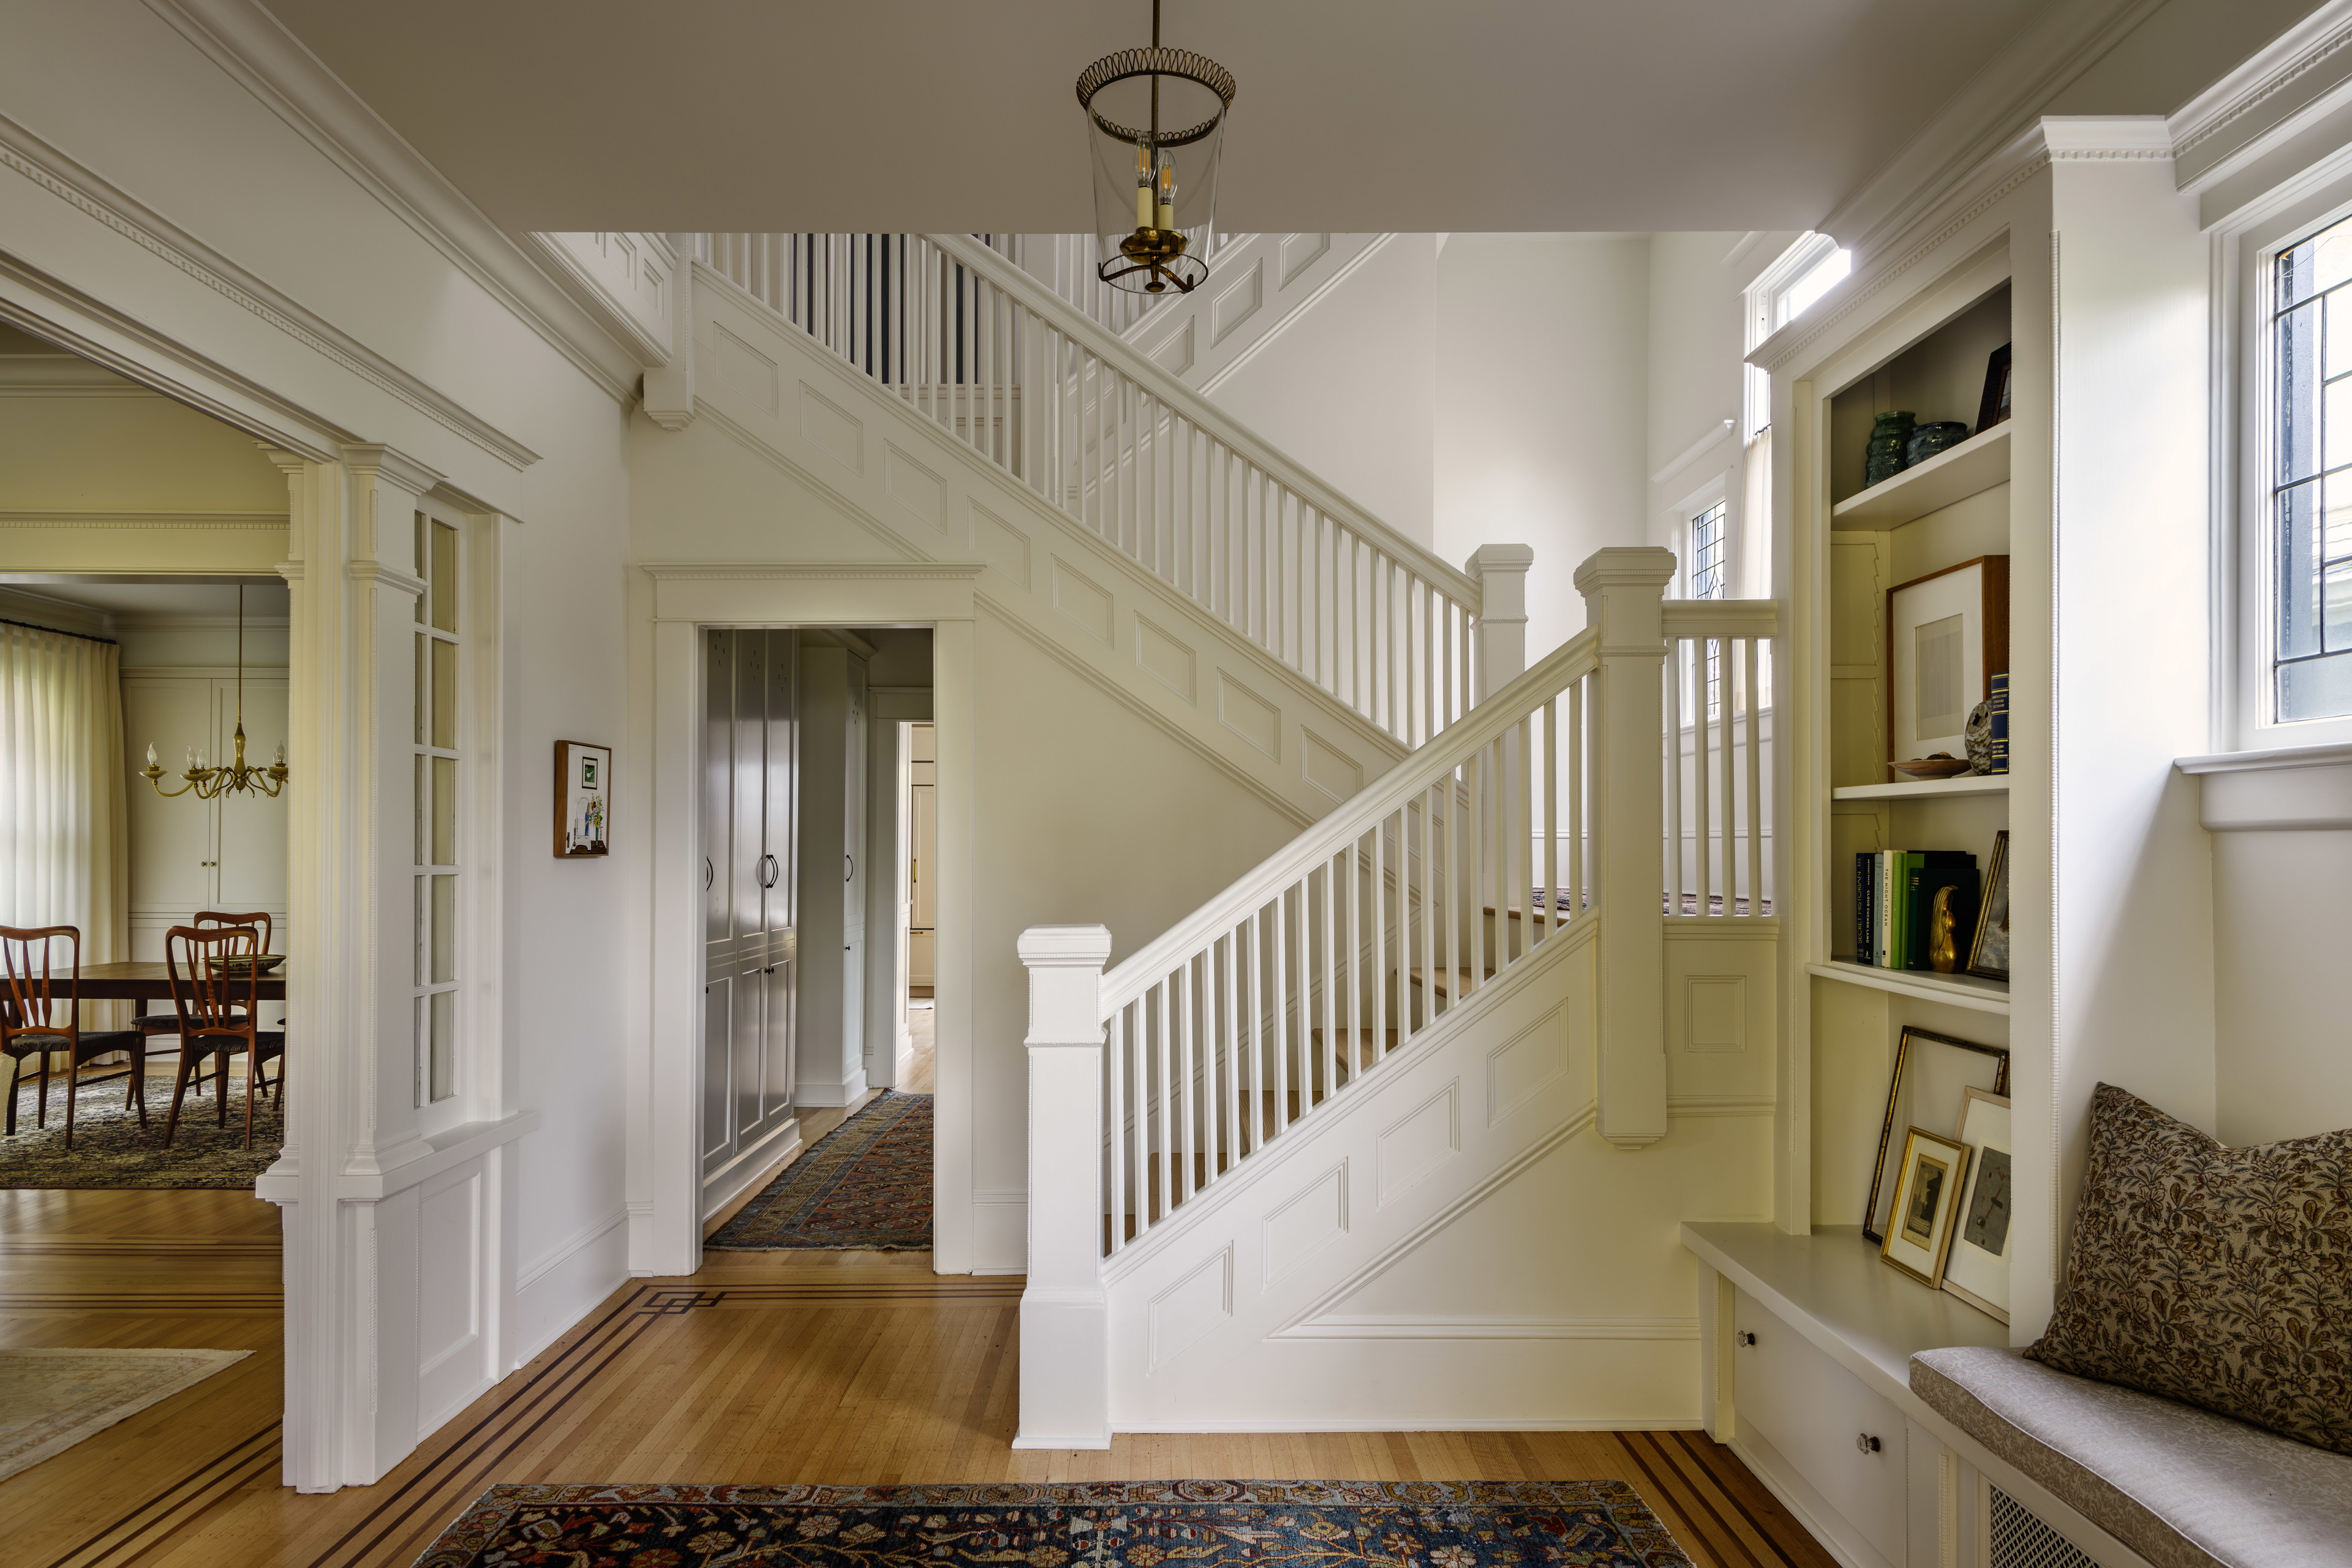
264	602
1363	115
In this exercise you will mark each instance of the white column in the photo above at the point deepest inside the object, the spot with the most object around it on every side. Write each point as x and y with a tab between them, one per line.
1501	573
1065	1316
1623	589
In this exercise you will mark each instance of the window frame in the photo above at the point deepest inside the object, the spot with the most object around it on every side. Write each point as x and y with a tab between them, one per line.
2246	256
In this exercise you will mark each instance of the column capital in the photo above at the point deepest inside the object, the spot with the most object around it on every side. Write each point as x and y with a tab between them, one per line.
404	472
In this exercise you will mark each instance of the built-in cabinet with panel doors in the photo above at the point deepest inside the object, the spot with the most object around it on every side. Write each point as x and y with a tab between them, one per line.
833	873
751	771
188	853
922	876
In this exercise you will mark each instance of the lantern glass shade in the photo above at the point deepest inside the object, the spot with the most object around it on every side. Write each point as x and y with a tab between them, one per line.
1156	119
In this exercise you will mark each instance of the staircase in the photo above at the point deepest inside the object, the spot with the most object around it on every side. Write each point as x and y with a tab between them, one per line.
967	410
1237	1133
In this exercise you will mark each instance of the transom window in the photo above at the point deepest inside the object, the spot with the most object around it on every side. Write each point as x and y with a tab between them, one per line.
2311	485
439	650
1710	578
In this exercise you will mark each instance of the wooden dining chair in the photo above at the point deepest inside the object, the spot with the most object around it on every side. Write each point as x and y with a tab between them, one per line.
214	1008
155	1025
37	1020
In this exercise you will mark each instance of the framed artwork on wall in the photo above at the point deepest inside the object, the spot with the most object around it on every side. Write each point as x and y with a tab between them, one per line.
1933	1075
1926	1204
1947	637
584	797
1977	1268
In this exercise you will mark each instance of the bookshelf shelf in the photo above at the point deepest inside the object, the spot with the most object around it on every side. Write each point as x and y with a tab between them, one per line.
1955	990
1925	789
1974	466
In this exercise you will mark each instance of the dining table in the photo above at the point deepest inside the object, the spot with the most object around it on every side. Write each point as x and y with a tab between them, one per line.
133	980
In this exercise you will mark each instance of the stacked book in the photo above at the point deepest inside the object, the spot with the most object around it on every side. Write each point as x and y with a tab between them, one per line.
1895	897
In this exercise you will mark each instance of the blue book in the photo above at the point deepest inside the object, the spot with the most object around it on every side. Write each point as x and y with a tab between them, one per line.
2000	723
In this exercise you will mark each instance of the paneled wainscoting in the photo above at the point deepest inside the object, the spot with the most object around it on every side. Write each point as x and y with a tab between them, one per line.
834	1367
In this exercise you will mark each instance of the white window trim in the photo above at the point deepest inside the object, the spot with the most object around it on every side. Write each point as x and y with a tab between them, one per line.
1761	305
2245	255
1719	487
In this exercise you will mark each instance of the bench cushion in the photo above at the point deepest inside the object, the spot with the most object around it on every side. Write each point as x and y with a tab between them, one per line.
2182	1487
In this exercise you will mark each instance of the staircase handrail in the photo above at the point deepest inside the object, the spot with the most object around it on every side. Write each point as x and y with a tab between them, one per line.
1502	710
1129	362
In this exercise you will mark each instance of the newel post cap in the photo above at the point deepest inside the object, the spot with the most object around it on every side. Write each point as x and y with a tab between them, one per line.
1626	567
1499	558
1066	947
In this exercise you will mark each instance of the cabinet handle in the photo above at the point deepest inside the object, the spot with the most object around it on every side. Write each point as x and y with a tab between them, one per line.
1863	1442
850	875
709	873
1745	1337
772	871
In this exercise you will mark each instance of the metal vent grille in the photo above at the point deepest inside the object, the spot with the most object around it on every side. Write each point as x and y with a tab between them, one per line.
2020	1539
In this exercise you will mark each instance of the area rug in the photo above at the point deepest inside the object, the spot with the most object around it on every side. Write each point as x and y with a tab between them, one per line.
111	1150
50	1400
1097	1524
866	1186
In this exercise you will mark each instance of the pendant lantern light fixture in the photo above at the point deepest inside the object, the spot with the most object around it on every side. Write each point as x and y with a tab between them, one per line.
236	778
1155	118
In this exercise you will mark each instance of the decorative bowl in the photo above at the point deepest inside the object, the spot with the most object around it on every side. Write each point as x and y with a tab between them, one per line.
1938	766
239	964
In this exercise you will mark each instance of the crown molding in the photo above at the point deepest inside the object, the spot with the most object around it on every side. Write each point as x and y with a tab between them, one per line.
261	55
1984	117
59	173
2299	76
243	521
62	376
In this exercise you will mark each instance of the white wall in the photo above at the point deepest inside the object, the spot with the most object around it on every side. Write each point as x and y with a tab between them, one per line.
1542	407
1346	387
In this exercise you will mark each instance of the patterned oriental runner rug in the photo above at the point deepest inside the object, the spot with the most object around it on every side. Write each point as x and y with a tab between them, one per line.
866	1186
111	1150
1099	1524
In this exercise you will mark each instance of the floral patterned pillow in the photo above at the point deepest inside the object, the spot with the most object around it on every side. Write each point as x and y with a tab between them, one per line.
2215	1275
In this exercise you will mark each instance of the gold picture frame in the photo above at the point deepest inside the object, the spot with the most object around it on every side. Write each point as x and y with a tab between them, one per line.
1928	1183
1926	1086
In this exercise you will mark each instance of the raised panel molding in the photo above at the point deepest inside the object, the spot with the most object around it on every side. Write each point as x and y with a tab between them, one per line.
1002	545
1236	303
1169	661
1084	601
1715	1013
1248	715
1419	1141
1527	1063
741	368
1195	1306
1300	251
914	487
1327	768
1174	354
832	430
1304	1224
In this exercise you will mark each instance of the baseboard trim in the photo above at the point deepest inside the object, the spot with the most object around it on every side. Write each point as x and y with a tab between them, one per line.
526	1278
1428	1424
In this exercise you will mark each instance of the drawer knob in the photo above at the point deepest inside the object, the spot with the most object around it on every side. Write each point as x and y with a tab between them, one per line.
1863	1442
1745	1337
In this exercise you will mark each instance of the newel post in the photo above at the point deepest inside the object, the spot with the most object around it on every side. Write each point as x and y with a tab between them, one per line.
1623	589
1501	573
1065	1316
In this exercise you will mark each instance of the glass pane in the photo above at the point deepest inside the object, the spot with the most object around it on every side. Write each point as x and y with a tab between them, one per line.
422	932
2335	537
444	811
424	1050
2338	307
2336	595
424	691
2298	394
2335	425
444	576
444	694
444	929
424	524
2318	689
2298	572
2320	262
444	1078
424	811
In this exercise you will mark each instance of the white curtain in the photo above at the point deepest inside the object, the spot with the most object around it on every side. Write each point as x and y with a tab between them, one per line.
65	841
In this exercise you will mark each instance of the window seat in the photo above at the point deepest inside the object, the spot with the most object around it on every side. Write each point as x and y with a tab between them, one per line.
2182	1487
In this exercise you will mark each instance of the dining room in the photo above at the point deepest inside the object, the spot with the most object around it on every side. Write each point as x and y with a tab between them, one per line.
143	818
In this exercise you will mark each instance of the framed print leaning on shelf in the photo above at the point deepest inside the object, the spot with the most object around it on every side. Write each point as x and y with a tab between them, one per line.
1988	951
1927	1203
1947	637
583	799
1929	1086
1977	1268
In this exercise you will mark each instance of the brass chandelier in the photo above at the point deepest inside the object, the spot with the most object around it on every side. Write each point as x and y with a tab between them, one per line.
1157	119
211	782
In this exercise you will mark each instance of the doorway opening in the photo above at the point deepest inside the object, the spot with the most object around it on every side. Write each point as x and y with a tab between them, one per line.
812	1056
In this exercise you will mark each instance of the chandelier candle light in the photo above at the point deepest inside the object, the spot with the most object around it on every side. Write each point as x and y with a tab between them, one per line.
1157	116
235	779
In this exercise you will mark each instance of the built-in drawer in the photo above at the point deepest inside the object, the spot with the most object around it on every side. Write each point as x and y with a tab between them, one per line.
1845	1441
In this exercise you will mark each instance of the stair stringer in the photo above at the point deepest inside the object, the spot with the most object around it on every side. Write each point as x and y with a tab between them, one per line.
1228	1316
924	496
1259	286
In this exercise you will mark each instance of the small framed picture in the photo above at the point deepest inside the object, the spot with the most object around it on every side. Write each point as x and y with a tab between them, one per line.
1989	950
1947	637
583	799
1977	1268
1993	407
1927	1203
1932	1078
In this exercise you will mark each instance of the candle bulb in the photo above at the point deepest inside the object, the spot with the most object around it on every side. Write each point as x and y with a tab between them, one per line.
151	754
282	754
191	759
1168	198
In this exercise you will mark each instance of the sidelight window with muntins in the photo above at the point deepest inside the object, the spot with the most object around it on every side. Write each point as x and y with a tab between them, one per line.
439	648
2311	483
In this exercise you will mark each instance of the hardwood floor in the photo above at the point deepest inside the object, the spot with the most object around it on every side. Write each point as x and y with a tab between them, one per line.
852	1368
